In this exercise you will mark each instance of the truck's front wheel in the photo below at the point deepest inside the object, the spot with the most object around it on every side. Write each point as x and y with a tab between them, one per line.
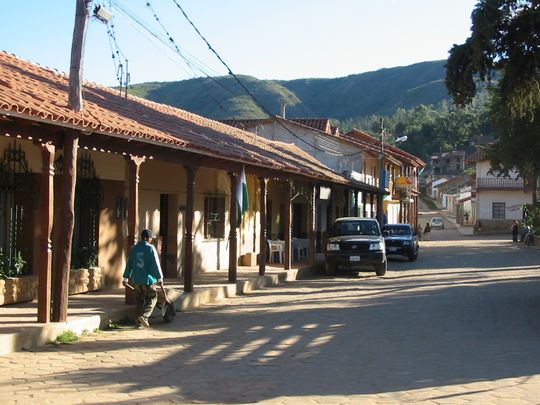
380	269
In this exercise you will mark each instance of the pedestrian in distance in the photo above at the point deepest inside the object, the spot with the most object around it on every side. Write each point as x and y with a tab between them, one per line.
515	231
427	232
145	272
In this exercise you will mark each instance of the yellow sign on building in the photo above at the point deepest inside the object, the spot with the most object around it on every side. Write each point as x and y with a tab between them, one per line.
404	182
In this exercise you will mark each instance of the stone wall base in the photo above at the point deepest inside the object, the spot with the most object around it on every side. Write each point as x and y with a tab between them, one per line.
22	289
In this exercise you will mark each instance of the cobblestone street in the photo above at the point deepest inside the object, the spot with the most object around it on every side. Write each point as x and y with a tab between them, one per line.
460	325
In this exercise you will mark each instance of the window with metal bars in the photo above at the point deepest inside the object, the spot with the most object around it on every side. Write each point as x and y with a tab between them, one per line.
18	197
498	210
214	217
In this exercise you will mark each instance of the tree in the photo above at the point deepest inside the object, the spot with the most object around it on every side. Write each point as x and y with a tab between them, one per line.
518	147
505	42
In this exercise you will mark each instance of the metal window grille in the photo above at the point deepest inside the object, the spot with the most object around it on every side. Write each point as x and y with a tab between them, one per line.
499	210
214	217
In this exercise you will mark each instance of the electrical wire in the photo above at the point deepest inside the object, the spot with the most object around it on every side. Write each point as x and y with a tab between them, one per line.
248	92
167	44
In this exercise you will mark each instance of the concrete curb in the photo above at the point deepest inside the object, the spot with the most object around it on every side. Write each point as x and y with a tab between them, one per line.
29	339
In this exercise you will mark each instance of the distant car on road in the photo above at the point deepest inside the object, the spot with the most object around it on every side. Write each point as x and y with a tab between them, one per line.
437	223
355	244
400	239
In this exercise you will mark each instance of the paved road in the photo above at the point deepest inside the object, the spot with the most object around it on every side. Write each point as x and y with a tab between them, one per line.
460	325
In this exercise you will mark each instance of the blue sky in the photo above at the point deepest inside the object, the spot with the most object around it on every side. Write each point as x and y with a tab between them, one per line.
268	39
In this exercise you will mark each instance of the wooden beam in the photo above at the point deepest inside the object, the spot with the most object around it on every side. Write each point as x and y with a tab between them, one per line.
263	184
62	256
188	255
46	213
233	239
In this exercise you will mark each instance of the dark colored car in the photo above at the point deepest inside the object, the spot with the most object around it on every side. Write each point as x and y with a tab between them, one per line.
400	239
354	244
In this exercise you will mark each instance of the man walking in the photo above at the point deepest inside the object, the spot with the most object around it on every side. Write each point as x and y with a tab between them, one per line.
145	271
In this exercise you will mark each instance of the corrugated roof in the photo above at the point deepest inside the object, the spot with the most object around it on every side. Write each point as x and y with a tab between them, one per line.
39	93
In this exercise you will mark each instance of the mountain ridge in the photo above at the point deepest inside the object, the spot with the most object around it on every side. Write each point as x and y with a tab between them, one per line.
379	92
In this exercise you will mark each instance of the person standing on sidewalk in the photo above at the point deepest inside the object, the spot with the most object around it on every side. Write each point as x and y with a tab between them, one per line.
145	271
515	231
427	232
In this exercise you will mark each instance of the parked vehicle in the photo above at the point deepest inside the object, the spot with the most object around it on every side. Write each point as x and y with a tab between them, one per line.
400	239
354	244
437	223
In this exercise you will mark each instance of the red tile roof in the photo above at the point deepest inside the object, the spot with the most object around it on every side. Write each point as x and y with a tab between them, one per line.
37	93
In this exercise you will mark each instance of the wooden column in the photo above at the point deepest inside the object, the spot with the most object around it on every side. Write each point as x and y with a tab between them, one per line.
134	166
188	254
347	208
62	252
46	213
371	200
312	224
233	234
355	208
288	222
364	203
263	183
133	209
330	209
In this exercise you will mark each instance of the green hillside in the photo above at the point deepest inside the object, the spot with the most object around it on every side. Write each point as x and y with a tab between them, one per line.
379	92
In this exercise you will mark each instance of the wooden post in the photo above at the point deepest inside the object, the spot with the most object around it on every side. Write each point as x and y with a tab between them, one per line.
262	237
233	239
347	207
364	204
188	254
62	253
355	207
312	224
46	215
134	163
77	51
288	230
371	200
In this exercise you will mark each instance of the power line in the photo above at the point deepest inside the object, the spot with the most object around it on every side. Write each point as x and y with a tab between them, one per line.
142	27
259	104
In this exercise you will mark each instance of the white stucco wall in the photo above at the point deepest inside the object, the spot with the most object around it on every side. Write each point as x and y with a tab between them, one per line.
317	145
513	200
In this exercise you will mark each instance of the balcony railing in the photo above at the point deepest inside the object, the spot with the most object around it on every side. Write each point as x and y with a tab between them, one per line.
499	183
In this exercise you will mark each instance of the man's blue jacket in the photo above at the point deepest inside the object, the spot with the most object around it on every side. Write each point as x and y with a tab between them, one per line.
143	264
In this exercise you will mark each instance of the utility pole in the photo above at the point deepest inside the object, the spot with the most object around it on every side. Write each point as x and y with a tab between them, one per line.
77	51
382	180
62	251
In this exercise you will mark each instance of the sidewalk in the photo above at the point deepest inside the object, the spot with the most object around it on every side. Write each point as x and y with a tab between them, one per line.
19	329
464	230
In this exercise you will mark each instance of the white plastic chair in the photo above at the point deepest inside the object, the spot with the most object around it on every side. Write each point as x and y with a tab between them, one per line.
276	247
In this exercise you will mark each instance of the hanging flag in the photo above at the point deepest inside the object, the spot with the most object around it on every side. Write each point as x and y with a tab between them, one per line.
242	203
